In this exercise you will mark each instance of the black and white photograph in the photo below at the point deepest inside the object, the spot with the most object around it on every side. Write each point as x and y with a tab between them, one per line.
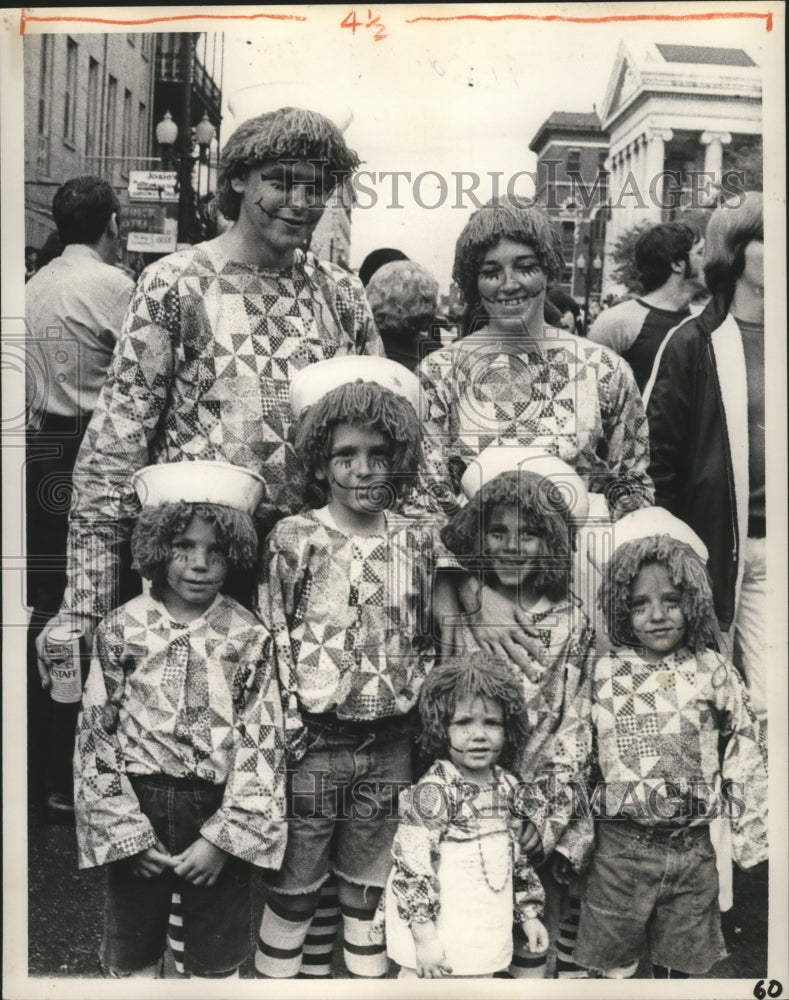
394	458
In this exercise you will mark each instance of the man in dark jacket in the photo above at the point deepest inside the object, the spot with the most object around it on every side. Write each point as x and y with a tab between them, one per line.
705	406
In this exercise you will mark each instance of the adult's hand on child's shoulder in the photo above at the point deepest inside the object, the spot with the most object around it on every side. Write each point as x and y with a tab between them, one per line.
500	628
201	862
152	861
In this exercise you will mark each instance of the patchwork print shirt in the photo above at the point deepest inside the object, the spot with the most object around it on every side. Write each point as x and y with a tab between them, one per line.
658	727
196	700
445	806
349	616
202	370
565	395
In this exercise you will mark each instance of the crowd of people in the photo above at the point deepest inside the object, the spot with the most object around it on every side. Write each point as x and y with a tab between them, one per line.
454	642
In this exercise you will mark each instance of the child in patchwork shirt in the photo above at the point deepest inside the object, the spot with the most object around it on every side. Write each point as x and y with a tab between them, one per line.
346	595
662	703
459	875
180	757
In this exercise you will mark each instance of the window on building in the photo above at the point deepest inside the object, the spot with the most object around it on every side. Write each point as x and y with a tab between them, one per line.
142	130
130	38
573	161
44	108
602	173
44	79
112	106
145	46
92	118
126	138
70	96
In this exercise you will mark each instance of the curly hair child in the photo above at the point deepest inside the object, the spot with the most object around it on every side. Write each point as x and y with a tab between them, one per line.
458	867
179	765
677	745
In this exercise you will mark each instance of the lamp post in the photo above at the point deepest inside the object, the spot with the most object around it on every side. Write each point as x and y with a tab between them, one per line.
592	264
185	193
204	136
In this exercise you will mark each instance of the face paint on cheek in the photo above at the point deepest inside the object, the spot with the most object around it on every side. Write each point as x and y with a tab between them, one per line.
259	204
534	285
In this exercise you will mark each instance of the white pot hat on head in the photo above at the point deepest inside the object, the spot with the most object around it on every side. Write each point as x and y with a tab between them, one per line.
199	482
313	382
650	521
497	458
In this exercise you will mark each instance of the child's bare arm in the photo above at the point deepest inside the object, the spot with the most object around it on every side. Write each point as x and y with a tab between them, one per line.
431	962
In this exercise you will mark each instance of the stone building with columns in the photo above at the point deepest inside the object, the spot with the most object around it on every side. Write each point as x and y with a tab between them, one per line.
678	118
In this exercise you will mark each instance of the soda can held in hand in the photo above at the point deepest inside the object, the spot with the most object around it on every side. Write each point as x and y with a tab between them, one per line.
64	646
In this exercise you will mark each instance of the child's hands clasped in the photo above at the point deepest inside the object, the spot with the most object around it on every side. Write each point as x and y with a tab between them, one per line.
536	934
200	863
152	861
431	961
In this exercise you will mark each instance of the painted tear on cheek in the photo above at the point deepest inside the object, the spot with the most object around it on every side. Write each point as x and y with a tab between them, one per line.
265	211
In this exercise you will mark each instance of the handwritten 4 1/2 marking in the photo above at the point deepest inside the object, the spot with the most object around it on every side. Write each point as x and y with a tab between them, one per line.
351	21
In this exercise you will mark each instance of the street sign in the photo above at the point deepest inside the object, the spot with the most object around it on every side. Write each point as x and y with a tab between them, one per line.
153	185
143	218
150	242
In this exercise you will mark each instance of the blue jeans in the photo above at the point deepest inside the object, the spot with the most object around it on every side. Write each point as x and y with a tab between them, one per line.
217	919
342	804
650	892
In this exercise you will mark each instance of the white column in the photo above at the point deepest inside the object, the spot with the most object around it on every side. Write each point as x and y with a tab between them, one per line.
629	178
640	174
655	164
713	157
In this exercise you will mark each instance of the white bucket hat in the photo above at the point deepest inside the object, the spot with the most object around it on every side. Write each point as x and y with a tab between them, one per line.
496	459
199	482
650	521
313	382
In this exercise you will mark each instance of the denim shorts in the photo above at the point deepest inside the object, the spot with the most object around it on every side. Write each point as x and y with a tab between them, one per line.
217	919
650	892
342	803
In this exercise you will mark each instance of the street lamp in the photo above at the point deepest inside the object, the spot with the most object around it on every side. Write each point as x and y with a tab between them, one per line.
591	263
166	136
587	265
204	136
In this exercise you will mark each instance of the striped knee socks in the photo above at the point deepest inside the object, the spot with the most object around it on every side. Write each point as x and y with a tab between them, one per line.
281	939
319	944
362	958
566	968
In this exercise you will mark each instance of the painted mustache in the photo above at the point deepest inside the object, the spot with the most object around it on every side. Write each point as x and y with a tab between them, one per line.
299	221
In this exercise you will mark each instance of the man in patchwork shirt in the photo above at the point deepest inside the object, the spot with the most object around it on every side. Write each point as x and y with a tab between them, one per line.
210	343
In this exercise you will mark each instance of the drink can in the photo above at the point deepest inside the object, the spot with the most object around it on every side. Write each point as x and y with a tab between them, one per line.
64	647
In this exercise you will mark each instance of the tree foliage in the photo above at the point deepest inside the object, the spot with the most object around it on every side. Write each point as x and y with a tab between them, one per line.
746	162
